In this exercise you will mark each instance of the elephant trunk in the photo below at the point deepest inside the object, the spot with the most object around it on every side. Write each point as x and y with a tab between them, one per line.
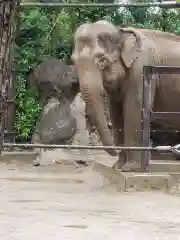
91	86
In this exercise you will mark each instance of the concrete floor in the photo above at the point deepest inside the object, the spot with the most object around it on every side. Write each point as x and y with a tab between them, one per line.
59	202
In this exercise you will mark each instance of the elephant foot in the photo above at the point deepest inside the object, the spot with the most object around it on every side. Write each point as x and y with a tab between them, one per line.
81	162
120	162
134	166
36	162
112	152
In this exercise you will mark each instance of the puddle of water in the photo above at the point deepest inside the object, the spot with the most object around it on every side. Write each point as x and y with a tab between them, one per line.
76	226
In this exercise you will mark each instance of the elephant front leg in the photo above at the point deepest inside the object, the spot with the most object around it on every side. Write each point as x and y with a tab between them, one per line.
117	120
132	132
38	151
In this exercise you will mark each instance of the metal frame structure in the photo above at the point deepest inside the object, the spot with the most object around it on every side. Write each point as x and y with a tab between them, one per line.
169	4
147	112
147	116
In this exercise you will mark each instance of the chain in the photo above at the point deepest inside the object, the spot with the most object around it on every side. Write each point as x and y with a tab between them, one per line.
174	149
122	148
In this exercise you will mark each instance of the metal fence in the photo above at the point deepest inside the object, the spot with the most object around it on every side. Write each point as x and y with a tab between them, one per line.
163	4
147	113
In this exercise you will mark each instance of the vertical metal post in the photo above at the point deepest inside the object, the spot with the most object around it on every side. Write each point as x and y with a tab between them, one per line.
146	114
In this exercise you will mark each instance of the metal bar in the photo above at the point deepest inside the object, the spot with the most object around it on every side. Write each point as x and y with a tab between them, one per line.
10	133
147	112
171	4
10	101
153	130
136	130
147	75
53	146
161	115
7	101
164	69
165	113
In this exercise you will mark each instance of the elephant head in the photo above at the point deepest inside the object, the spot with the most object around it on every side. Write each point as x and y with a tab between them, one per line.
102	58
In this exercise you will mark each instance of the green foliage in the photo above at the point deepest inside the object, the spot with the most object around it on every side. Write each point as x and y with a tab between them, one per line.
31	49
49	32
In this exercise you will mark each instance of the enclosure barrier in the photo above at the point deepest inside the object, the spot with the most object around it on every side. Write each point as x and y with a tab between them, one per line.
147	113
174	149
169	4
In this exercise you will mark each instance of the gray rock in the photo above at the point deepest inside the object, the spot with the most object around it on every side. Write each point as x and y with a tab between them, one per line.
54	78
63	120
80	137
57	125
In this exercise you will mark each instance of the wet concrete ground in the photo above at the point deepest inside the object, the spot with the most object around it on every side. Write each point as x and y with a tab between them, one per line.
62	203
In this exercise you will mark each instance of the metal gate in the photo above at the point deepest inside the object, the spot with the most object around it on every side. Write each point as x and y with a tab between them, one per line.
147	113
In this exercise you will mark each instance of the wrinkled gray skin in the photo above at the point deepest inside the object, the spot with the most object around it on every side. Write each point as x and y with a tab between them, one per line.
113	58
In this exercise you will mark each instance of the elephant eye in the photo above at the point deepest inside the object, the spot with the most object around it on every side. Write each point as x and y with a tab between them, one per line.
102	40
107	42
84	41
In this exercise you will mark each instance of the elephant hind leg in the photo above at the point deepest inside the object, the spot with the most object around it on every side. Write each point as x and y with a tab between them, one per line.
117	121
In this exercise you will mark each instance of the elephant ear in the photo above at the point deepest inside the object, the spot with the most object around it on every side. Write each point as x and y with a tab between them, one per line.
130	45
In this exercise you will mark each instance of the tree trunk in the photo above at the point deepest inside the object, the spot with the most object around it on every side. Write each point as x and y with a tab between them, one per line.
8	18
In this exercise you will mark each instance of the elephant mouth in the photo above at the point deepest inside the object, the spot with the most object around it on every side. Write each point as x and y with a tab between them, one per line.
102	62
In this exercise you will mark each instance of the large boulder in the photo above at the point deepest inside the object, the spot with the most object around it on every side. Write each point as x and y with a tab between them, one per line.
57	125
54	78
80	137
57	84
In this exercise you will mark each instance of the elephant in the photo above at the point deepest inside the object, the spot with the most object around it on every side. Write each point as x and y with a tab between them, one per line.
111	58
